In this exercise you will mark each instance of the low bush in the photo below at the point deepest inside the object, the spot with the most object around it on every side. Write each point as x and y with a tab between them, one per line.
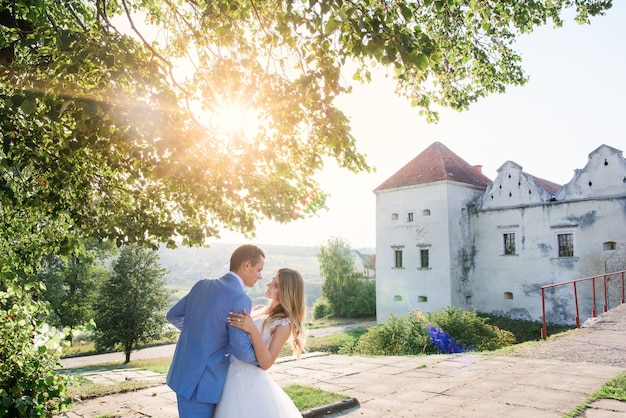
396	336
470	330
362	303
447	330
321	308
524	330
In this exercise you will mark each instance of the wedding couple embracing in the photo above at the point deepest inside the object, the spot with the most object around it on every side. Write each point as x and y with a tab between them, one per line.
225	347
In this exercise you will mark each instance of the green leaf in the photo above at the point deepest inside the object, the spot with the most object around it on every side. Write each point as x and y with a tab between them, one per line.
28	107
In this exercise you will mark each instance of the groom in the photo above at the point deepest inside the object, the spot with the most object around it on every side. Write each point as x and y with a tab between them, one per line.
200	362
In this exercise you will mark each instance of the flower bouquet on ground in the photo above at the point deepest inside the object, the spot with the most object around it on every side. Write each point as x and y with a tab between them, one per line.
441	339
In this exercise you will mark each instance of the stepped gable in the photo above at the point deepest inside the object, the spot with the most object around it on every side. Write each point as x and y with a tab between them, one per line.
436	163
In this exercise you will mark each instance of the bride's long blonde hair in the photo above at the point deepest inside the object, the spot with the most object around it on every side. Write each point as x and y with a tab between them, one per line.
292	306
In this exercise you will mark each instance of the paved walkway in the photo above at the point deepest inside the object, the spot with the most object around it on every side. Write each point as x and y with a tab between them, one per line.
547	379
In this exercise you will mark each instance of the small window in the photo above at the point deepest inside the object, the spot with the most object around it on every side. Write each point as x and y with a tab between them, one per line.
509	243
422	299
398	258
508	295
410	217
609	245
565	245
394	216
426	212
397	298
424	259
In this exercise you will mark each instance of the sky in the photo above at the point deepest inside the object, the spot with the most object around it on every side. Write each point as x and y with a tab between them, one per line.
574	102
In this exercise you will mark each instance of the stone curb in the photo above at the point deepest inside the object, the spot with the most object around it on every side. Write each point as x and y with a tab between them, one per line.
331	408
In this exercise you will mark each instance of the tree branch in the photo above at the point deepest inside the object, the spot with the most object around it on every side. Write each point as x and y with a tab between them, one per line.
7	19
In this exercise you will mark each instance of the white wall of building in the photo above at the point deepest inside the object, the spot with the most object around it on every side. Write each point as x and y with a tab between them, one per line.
400	290
463	230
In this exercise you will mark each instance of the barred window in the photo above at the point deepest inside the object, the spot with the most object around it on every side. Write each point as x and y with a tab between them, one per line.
398	263
424	260
509	243
566	245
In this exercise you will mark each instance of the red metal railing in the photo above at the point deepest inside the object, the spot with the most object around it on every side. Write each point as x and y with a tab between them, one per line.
605	278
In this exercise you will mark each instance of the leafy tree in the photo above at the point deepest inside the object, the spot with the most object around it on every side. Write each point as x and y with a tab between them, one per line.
363	302
341	282
72	286
29	385
130	303
100	125
111	130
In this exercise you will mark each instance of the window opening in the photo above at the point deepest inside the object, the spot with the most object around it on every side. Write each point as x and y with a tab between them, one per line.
424	259
398	258
566	245
509	243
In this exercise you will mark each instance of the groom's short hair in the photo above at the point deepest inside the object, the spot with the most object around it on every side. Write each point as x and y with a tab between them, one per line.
246	252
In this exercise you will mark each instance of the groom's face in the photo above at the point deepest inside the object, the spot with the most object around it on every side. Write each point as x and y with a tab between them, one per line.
251	273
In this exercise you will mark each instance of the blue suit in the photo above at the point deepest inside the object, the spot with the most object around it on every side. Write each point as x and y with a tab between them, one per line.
200	362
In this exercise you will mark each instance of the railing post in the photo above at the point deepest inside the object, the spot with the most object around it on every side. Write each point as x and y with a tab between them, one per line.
544	330
576	303
606	296
593	288
606	277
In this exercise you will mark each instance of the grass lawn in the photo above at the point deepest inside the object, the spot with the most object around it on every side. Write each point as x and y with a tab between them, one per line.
613	389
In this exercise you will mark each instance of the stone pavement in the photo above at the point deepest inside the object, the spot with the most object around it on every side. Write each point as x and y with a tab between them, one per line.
511	383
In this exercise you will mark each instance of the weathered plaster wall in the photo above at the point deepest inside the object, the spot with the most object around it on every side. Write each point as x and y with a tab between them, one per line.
463	230
437	211
512	283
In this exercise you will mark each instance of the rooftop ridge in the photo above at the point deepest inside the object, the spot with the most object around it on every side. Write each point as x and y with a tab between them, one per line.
436	163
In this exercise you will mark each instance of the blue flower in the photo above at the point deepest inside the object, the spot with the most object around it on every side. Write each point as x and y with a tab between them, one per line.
444	341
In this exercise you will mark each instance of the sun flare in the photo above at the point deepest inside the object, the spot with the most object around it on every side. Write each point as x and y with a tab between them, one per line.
234	121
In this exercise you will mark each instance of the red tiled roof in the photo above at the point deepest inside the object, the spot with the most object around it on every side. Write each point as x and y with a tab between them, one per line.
549	186
435	163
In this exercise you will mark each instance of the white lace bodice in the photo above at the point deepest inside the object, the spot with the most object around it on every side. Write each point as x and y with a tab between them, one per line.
267	332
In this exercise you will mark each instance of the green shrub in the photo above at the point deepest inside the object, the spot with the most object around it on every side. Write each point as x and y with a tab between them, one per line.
524	330
396	336
408	335
363	303
321	308
29	384
469	329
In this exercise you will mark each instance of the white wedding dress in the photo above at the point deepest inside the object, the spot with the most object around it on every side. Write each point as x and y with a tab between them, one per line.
250	392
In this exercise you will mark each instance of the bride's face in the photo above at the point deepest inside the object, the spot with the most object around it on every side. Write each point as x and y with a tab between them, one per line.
273	291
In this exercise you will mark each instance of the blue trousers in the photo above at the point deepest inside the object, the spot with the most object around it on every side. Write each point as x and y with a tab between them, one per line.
190	408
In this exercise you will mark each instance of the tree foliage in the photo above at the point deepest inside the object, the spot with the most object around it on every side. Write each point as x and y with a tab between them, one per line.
129	310
109	109
105	133
29	353
341	281
72	286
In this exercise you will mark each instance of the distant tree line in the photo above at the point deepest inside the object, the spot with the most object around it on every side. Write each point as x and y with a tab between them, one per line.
344	292
124	302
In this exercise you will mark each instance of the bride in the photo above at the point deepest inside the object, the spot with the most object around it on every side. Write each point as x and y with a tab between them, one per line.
249	390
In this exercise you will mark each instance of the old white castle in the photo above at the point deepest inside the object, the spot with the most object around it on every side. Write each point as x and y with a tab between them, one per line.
446	235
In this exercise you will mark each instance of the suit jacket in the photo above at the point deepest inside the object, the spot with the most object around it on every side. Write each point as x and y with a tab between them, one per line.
206	340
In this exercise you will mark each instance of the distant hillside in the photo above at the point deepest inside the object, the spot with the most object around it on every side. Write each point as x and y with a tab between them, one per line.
188	265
